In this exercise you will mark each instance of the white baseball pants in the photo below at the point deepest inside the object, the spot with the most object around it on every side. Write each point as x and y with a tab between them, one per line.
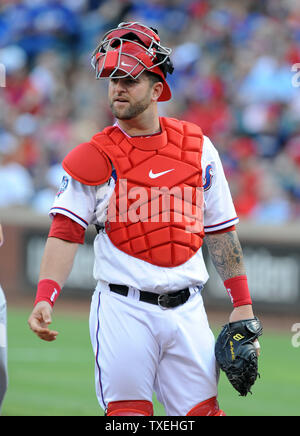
140	349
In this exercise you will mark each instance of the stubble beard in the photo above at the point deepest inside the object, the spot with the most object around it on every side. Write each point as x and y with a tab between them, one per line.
131	111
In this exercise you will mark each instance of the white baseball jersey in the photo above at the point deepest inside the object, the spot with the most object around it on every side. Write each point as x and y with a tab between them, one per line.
140	348
88	205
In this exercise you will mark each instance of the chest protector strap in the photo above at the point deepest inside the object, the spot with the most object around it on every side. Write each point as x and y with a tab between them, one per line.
156	212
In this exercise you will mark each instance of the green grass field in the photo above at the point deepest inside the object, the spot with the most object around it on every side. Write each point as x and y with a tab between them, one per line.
57	379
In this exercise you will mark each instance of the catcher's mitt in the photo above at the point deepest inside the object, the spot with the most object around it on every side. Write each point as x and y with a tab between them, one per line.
236	353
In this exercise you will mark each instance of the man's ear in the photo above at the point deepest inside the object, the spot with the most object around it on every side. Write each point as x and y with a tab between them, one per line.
157	89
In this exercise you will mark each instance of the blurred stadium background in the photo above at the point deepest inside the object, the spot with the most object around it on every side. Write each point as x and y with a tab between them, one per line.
235	75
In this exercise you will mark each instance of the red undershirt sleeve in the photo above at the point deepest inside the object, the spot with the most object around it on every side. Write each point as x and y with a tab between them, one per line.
65	228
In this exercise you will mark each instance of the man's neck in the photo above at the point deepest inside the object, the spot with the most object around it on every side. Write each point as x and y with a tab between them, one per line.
140	126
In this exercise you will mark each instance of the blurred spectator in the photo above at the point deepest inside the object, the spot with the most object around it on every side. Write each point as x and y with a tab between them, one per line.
232	77
16	187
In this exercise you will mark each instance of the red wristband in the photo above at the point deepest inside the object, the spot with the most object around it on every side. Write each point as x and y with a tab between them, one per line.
238	290
48	290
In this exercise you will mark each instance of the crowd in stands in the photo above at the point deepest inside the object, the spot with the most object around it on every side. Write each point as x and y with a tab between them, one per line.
236	76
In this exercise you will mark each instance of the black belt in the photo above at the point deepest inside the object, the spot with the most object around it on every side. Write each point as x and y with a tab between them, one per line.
166	301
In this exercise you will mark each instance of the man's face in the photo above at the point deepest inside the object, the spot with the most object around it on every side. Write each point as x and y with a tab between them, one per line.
129	97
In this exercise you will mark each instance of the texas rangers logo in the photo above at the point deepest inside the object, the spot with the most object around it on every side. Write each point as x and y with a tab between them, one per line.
63	186
208	177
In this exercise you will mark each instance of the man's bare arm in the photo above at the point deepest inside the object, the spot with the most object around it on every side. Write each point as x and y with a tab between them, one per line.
56	265
226	253
227	256
57	261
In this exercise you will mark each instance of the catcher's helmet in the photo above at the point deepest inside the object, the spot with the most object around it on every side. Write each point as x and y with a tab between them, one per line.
129	50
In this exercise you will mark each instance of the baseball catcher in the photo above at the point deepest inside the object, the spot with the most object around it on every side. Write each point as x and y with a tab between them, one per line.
155	189
236	353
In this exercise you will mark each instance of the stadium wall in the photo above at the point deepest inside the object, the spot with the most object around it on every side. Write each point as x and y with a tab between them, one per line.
272	257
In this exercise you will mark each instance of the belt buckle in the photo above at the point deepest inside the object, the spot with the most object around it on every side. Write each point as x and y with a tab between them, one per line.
160	299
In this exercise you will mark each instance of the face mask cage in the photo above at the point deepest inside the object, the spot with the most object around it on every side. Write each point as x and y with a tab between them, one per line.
136	43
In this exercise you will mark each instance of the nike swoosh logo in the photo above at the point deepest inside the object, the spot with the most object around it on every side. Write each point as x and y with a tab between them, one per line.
125	65
153	175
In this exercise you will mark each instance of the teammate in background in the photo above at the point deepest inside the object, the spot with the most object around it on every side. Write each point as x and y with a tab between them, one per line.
155	189
3	339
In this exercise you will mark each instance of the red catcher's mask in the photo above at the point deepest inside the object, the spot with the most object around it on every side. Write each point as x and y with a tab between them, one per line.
129	50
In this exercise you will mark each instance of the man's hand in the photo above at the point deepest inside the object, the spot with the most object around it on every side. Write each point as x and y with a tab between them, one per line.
39	321
244	312
241	312
236	353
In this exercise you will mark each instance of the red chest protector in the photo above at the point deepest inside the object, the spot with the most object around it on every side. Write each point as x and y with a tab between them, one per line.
156	213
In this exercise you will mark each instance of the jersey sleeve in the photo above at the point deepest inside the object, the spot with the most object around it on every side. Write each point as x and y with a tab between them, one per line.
219	210
76	201
65	228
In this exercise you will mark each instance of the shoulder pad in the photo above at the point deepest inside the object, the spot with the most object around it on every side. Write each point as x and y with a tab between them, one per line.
88	164
190	129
